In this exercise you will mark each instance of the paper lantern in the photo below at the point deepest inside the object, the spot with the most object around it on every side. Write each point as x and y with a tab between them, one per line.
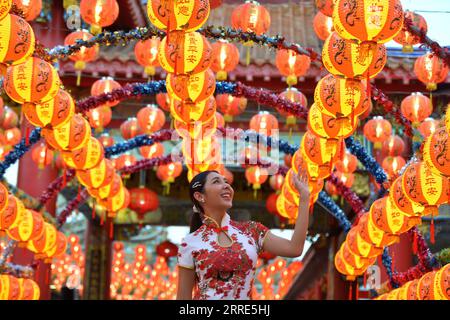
408	39
29	290
346	179
339	97
359	246
34	80
346	269
109	190
225	58
355	261
351	60
29	226
286	209
230	106
116	203
347	164
99	176
41	155
99	14
197	130
193	88
401	201
416	107
5	7
393	146
367	21
53	113
143	200
130	128
323	26
325	6
290	195
150	119
8	118
377	130
163	101
30	8
72	135
205	151
105	85
12	211
106	140
99	117
293	95
265	123
186	53
124	160
411	291
271	203
251	17
46	241
276	181
372	234
436	152
189	112
428	127
168	172
86	157
430	70
312	169
146	52
442	283
3	200
256	176
423	186
186	15
9	287
292	65
167	249
425	286
12	136
58	249
392	165
18	39
156	150
317	151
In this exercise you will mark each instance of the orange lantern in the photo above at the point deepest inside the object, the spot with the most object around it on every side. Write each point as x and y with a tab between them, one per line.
45	242
30	8
368	22
256	176
12	211
406	38
189	112
53	113
436	152
29	290
150	119
346	269
146	52
339	97
317	150
9	287
416	107
430	70
116	203
42	155
392	165
312	169
188	15
293	95
352	259
58	249
143	200
359	246
346	178
17	38
34	80
196	130
5	7
99	117
106	140
292	65
230	106
351	60
377	130
108	191
411	292
99	14
130	128
8	118
84	54
185	53
264	122
72	135
401	201
425	286
323	26
124	160
29	226
3	198
331	189
156	150
393	146
99	176
276	181
105	85
372	234
12	136
442	283
325	6
168	172
428	127
193	88
251	17
347	164
163	101
84	158
225	57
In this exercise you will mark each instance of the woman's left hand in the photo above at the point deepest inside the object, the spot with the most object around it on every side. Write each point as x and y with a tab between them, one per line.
301	184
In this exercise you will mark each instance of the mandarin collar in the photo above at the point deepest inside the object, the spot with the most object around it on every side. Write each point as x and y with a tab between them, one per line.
210	222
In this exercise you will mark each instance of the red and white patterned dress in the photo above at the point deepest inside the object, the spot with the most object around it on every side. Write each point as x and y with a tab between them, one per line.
223	272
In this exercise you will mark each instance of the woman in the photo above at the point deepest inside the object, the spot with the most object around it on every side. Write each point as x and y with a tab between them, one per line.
220	254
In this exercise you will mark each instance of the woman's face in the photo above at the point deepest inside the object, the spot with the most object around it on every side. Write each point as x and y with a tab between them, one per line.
218	193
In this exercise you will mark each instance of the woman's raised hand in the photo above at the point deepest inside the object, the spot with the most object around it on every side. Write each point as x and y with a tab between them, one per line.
301	183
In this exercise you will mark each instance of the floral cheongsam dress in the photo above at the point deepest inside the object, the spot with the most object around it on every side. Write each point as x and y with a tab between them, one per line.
223	272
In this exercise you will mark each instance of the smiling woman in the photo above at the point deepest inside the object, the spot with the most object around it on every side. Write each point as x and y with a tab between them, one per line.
218	258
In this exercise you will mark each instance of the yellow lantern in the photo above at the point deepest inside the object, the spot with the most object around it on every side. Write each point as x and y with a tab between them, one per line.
86	157
18	39
72	135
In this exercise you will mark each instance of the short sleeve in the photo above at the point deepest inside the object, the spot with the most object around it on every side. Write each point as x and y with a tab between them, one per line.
259	233
185	258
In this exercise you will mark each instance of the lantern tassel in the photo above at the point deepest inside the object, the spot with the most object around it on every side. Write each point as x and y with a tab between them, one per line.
350	291
415	243
27	136
365	280
64	182
93	210
78	78
111	229
247	57
432	240
102	218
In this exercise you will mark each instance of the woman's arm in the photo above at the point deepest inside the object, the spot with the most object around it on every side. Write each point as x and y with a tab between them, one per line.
294	247
186	282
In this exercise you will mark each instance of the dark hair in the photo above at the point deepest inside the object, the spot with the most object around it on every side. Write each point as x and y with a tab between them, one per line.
198	185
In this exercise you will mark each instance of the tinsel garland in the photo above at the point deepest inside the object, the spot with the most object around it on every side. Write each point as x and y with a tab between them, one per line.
422	35
387	263
17	271
55	186
19	150
71	206
335	210
145	164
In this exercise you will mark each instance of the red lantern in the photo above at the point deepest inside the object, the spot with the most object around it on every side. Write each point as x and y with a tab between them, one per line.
58	249
9	287
407	39
428	127
346	178
197	130
105	85
251	17
416	107
18	40
106	140
143	200
30	8
124	160
225	57
264	122
323	26
276	181
42	155
13	211
150	119
256	176
392	165
99	14
230	106
166	249
394	146
99	117
29	290
331	189
30	226
156	150
193	88
168	172
318	151
130	128
347	164
377	130
8	119
163	101
292	65
295	96
430	70
372	234
325	6
12	136
146	52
